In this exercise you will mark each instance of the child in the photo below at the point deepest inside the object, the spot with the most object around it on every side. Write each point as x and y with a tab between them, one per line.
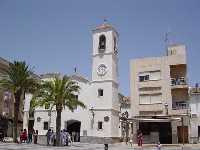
158	146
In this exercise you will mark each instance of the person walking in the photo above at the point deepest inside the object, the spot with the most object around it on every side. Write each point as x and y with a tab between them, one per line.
140	138
69	139
21	136
158	146
131	139
62	137
35	136
73	136
53	138
25	136
30	135
49	133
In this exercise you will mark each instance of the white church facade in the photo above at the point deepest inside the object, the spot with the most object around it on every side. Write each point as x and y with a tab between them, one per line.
100	121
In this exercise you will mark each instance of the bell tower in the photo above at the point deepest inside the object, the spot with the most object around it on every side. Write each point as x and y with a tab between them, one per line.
105	82
105	53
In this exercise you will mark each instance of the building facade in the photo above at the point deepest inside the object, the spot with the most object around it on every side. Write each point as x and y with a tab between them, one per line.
99	122
159	96
7	105
195	114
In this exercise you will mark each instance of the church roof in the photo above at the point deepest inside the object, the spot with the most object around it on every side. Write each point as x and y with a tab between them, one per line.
104	26
49	75
79	78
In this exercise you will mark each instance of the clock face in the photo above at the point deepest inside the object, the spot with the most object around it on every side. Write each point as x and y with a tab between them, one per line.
101	70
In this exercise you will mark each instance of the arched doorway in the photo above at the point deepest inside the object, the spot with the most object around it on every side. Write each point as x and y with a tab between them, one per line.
73	127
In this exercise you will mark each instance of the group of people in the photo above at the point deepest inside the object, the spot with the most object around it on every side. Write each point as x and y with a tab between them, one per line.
28	137
65	138
140	140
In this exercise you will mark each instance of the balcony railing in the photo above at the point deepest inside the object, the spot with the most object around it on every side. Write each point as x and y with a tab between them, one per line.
178	81
180	105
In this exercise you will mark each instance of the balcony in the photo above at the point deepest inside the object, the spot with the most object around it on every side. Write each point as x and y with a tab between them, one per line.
181	107
179	82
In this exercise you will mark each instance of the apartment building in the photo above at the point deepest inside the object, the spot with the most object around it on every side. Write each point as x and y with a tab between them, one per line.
195	114
6	105
159	96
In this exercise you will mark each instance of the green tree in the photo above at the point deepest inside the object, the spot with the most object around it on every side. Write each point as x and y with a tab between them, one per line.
18	79
58	92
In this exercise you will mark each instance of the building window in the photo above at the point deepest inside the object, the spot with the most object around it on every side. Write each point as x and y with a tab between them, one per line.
150	75
102	42
150	98
100	125
143	78
100	92
45	125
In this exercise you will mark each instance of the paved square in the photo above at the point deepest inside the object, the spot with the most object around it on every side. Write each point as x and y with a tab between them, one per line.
87	146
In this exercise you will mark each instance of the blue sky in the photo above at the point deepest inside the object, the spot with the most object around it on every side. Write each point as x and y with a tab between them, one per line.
55	35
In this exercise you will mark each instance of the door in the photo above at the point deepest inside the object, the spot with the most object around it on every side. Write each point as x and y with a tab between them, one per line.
182	132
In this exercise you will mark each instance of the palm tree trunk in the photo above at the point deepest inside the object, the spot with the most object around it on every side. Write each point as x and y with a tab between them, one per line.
17	96
58	125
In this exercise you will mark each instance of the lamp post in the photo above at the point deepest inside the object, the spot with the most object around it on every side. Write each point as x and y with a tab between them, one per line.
166	108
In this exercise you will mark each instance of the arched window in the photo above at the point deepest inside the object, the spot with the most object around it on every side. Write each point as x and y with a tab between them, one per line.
102	42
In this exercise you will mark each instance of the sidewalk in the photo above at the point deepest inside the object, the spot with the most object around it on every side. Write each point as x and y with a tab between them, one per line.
88	146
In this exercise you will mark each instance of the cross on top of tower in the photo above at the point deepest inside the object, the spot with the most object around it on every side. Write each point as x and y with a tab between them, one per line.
105	20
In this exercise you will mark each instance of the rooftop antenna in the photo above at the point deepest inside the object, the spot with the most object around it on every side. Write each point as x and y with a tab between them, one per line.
168	40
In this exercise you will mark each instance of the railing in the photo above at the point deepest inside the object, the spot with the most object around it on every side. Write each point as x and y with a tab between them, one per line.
178	81
180	105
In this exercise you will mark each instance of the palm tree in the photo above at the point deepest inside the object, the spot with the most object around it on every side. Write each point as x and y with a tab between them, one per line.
58	93
18	79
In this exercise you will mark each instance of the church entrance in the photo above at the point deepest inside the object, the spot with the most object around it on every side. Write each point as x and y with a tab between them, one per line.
73	127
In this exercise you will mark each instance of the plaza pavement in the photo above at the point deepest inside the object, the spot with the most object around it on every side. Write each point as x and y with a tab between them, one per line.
86	146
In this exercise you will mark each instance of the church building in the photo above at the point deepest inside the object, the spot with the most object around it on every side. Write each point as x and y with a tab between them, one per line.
100	121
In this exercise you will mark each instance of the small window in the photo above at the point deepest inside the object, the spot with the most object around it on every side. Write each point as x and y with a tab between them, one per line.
143	78
100	125
46	125
102	42
100	92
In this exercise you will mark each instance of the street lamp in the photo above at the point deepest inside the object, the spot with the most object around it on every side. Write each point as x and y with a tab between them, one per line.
166	108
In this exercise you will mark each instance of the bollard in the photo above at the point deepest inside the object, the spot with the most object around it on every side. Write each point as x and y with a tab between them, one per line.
106	147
